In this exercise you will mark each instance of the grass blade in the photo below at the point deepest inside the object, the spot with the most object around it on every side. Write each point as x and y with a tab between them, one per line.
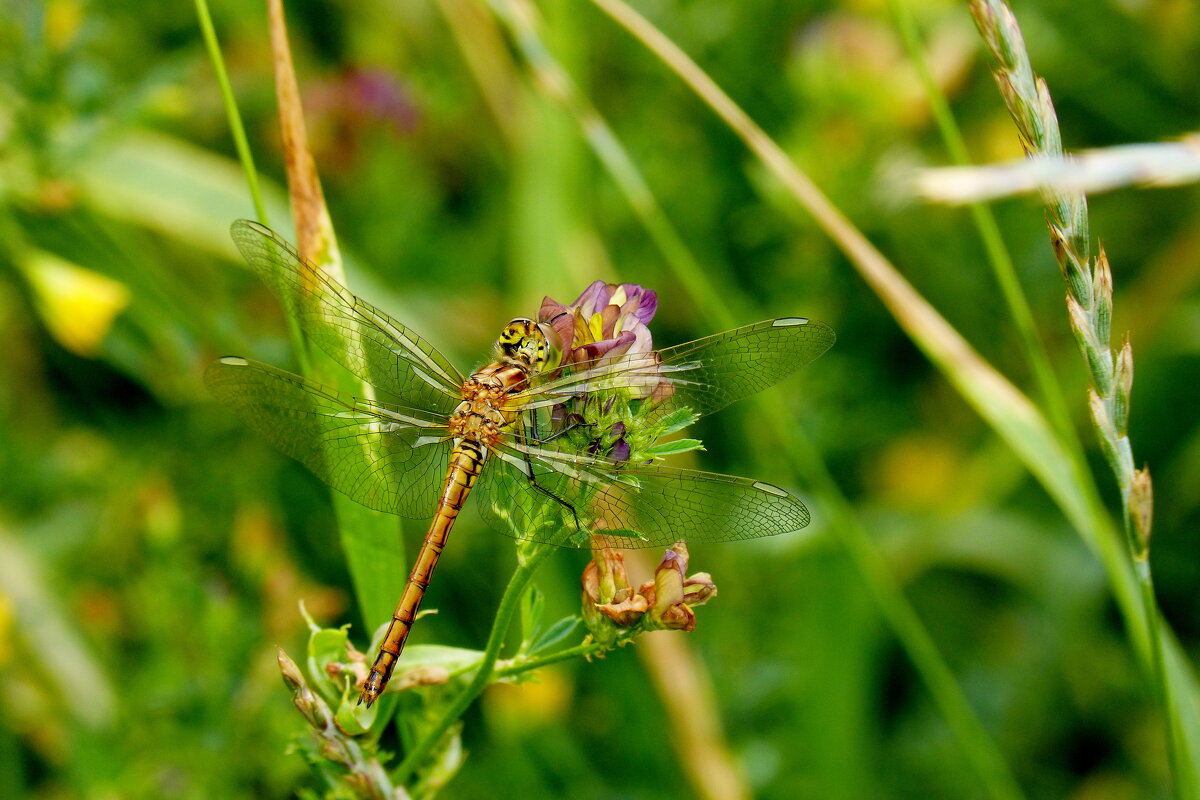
370	539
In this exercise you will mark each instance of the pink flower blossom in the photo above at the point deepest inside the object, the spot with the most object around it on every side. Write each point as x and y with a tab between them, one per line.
606	323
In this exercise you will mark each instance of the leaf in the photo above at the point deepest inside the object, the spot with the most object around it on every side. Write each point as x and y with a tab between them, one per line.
677	420
664	449
352	718
172	186
451	659
327	646
556	633
533	603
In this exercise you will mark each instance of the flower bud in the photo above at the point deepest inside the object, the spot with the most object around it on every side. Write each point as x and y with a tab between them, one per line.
307	702
1124	380
1103	297
1104	427
626	609
1141	507
591	598
609	604
698	589
669	608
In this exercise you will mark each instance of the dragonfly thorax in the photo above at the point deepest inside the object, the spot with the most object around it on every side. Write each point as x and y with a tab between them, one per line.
485	409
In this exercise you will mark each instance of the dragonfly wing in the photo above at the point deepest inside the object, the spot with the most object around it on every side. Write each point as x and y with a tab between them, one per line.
705	375
581	501
386	457
360	337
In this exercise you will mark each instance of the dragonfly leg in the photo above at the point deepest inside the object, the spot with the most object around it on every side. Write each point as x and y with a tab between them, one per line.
531	424
542	489
533	482
568	429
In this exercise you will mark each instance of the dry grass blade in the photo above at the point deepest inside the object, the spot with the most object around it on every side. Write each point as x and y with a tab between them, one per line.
370	539
314	230
1091	171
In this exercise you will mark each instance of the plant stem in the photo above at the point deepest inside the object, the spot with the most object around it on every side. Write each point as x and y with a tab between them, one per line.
537	662
509	603
1089	304
1002	265
236	129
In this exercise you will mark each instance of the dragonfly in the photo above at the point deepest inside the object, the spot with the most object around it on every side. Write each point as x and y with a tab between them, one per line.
428	435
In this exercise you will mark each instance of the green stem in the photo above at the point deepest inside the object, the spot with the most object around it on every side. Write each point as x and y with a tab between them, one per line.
710	293
537	662
1089	289
509	603
236	129
1185	782
993	243
245	156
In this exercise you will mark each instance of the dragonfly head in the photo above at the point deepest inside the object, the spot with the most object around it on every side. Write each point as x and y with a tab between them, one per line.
528	343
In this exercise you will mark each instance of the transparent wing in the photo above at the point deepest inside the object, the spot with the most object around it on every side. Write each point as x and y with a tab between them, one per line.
625	505
386	457
360	337
706	375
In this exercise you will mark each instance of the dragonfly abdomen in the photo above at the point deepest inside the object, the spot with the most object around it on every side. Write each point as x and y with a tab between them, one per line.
466	462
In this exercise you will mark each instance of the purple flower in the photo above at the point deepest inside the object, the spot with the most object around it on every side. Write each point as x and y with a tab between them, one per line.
607	322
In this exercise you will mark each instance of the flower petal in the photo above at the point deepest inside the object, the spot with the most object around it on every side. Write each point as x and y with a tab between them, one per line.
593	299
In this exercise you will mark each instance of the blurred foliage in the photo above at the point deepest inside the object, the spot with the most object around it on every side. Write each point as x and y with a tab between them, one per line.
152	551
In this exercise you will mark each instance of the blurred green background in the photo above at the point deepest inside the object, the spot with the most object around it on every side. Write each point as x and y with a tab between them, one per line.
152	550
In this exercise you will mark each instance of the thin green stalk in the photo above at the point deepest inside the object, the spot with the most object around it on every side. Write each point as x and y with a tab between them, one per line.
236	129
245	156
1089	306
1177	755
519	17
509	604
522	665
989	233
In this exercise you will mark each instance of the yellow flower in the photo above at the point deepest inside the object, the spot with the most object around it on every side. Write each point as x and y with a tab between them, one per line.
77	305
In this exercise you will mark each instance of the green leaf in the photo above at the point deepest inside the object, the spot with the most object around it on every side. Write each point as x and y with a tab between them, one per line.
677	420
374	549
664	449
327	646
556	633
172	186
352	718
452	659
533	603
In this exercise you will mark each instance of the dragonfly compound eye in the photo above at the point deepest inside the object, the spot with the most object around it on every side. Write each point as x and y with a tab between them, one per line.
523	340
